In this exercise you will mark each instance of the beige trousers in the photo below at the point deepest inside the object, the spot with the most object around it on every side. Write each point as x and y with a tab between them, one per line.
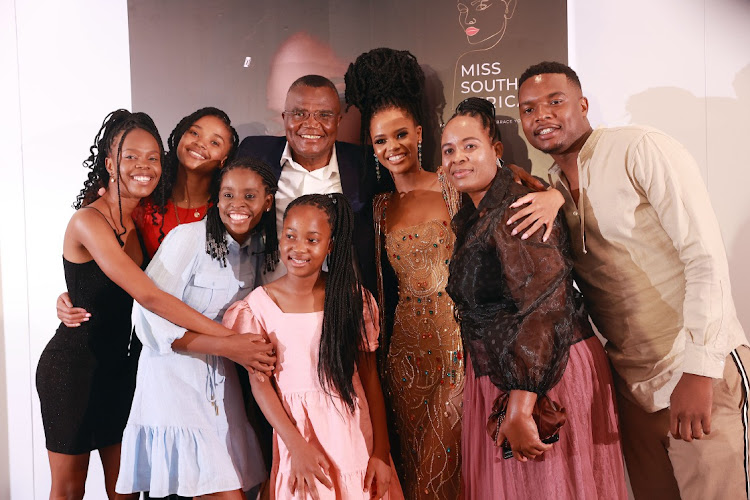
715	467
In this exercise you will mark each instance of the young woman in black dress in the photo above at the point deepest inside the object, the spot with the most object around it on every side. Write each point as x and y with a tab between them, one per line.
86	376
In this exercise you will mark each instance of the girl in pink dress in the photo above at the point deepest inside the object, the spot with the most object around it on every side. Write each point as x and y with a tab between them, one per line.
324	402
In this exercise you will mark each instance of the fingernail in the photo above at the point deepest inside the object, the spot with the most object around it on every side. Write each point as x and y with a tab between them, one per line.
88	315
545	238
514	232
525	236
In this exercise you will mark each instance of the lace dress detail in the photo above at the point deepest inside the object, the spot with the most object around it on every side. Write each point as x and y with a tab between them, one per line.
424	370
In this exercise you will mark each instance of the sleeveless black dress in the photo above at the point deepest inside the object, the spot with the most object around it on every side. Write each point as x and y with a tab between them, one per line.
86	375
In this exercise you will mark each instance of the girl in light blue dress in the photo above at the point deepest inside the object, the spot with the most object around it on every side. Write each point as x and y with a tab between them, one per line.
187	433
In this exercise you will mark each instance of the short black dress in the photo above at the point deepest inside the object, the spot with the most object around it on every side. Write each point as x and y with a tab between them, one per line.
86	375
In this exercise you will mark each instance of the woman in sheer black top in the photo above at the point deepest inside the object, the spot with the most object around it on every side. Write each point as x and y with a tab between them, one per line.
528	341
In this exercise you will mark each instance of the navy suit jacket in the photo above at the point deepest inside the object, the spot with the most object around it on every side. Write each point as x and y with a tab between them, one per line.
357	182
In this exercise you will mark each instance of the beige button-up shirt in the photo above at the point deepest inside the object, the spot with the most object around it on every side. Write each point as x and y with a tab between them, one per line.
650	261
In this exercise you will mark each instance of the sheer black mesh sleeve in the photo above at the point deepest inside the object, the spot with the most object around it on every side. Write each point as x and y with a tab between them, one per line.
515	297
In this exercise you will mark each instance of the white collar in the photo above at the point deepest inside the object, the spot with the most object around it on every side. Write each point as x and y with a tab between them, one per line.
325	172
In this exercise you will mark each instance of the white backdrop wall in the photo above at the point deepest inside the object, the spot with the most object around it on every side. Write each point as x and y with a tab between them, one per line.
680	65
65	66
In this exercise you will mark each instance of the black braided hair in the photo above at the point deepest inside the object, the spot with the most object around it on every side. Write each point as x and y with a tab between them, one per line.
385	78
117	122
343	323
216	233
482	109
171	163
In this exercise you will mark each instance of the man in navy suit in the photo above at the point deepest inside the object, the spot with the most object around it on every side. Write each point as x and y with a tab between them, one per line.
309	160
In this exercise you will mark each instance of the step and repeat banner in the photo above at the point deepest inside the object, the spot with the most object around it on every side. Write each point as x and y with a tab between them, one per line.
241	56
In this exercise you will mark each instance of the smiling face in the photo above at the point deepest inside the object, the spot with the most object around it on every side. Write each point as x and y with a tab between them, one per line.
395	137
305	240
242	200
205	145
484	19
140	163
469	157
312	139
553	113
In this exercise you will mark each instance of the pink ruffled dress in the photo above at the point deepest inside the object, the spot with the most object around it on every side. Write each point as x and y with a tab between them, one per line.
323	420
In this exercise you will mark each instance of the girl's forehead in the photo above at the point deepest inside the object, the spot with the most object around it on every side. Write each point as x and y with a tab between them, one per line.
242	176
306	215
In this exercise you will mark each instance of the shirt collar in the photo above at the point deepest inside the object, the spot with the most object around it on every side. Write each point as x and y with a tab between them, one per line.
325	173
587	151
249	243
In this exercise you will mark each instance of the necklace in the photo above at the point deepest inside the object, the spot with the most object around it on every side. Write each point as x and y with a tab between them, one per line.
197	214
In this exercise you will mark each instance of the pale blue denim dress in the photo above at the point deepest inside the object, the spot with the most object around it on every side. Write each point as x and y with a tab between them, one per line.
187	432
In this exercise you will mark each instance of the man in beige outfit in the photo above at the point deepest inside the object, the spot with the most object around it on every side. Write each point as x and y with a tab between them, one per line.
651	264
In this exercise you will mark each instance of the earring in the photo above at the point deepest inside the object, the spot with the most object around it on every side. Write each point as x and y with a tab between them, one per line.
111	179
419	154
499	163
377	167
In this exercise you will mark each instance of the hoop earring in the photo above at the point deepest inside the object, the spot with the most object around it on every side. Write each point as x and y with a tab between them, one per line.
500	164
419	154
377	167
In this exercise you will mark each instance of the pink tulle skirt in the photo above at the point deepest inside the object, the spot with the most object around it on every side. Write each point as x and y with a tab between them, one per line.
586	463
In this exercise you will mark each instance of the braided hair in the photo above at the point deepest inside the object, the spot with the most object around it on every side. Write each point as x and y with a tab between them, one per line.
120	121
343	333
216	232
171	163
385	78
484	111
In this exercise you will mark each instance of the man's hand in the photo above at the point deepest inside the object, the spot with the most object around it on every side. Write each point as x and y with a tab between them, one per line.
690	407
540	210
69	315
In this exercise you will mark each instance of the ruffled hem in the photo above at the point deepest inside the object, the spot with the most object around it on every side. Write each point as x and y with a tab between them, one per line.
187	462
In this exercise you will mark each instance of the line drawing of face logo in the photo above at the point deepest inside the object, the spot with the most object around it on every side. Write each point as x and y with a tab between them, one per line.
481	21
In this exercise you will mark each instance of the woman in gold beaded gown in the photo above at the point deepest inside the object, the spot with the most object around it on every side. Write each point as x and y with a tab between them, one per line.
423	358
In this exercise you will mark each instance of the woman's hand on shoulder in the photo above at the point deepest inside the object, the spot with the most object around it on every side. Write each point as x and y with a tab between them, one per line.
253	351
540	210
307	464
70	316
377	477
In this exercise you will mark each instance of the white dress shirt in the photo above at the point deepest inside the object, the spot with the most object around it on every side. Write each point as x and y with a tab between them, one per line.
295	181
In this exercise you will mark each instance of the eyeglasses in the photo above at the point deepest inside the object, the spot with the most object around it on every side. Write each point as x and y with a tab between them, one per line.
301	115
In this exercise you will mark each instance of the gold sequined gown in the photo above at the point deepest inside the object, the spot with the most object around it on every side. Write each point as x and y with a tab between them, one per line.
424	374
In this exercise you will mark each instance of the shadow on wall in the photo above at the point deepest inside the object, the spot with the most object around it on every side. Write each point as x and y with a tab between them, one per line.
725	162
739	273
